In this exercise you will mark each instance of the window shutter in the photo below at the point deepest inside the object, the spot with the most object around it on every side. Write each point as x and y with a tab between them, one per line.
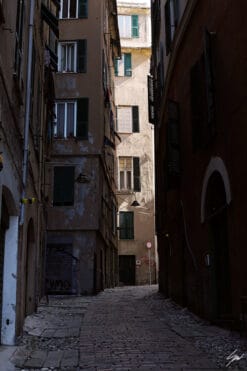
82	9
135	119
136	171
82	56
116	66
168	27
82	118
134	26
63	187
126	220
127	64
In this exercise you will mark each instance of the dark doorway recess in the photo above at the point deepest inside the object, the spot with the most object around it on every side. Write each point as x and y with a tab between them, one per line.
220	274
127	269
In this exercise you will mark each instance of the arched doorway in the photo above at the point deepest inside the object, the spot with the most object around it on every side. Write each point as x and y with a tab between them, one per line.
30	303
216	218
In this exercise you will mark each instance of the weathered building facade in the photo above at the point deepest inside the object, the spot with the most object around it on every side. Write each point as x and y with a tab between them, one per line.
199	112
25	26
137	254
81	254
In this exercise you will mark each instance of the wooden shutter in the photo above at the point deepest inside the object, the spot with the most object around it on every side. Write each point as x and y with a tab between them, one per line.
126	220
134	26
135	119
168	27
81	55
63	186
82	118
82	9
136	173
127	64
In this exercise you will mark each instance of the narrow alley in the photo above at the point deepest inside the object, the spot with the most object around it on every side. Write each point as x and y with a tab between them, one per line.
125	328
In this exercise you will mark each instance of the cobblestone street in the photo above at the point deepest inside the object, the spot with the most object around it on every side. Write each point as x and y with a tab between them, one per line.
127	328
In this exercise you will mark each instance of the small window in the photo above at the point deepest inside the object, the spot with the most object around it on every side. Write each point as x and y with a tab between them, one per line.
128	119
126	225
74	9
129	174
71	119
123	66
128	26
72	56
63	186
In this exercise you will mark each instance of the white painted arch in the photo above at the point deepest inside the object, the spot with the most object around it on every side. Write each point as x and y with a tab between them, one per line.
215	164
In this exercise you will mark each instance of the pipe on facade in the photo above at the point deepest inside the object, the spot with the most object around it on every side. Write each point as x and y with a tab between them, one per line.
27	109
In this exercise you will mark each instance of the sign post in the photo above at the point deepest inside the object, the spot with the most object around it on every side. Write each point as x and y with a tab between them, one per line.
149	245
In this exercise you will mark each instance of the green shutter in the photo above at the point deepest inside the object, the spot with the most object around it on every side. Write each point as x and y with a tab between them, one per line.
63	186
81	55
127	64
116	66
136	170
82	9
134	26
135	119
82	118
126	219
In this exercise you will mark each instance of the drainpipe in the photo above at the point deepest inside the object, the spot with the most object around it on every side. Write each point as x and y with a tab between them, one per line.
27	109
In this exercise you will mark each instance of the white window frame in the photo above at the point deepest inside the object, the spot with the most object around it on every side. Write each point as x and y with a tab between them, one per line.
61	10
125	171
65	118
60	47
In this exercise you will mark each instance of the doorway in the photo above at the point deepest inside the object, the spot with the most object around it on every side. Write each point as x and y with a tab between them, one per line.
220	282
127	270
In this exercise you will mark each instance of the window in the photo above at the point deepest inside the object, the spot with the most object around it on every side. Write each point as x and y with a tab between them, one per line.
129	174
71	119
63	186
74	9
126	225
128	119
128	26
72	56
123	66
171	21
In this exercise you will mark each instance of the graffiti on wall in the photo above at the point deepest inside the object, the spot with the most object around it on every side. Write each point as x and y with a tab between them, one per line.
60	269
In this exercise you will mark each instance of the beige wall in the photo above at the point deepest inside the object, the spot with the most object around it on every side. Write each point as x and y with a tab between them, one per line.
131	91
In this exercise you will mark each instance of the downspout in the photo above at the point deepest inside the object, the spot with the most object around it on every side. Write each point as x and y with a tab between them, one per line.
27	110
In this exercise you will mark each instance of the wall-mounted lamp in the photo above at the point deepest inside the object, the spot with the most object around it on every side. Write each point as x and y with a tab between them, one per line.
135	203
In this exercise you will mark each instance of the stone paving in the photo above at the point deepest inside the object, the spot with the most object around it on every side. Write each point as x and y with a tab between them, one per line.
128	328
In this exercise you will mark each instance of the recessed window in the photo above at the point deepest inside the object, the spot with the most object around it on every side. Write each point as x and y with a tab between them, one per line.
128	119
72	56
129	174
128	26
73	9
71	119
126	225
123	66
63	186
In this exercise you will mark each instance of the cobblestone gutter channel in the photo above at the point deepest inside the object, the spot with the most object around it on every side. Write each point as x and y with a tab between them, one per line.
130	328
